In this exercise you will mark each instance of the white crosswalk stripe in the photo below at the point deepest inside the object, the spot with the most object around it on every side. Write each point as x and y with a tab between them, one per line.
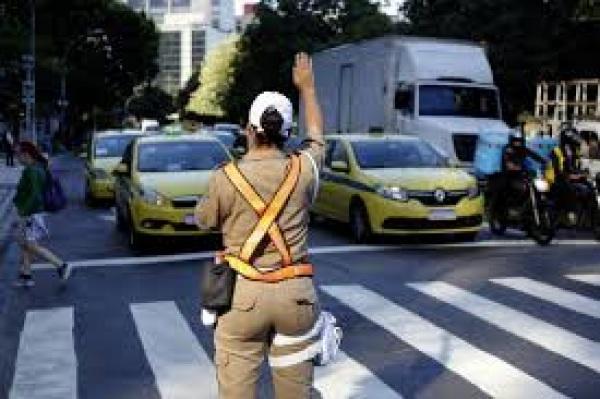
558	296
347	378
180	365
500	379
46	366
552	338
592	279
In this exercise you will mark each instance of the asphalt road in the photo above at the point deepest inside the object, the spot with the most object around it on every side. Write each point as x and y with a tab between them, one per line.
421	318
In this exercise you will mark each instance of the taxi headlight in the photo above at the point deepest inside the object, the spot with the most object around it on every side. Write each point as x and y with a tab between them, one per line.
473	192
393	192
541	185
153	197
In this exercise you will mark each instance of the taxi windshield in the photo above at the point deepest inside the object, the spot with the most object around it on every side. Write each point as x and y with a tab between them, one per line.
112	147
180	156
397	154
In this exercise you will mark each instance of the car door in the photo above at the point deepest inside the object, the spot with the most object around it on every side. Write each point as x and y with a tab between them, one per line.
323	205
343	184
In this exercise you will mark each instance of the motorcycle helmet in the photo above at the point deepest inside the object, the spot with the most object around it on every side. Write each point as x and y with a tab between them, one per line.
569	137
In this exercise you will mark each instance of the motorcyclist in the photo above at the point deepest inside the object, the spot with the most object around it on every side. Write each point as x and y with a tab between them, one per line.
509	183
570	185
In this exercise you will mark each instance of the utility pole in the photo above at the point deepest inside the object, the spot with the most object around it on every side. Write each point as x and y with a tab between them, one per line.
28	88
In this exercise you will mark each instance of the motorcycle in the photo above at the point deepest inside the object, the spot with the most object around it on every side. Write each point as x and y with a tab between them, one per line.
585	215
531	211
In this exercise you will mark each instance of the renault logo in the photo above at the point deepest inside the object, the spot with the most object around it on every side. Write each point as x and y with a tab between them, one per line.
439	195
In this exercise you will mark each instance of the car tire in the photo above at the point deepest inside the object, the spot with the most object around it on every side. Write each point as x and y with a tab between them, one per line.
121	223
88	198
360	224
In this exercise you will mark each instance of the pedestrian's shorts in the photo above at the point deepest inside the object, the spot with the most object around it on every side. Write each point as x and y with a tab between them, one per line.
32	228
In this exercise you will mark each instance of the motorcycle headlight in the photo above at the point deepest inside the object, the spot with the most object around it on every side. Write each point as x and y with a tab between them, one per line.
393	192
541	185
153	197
473	192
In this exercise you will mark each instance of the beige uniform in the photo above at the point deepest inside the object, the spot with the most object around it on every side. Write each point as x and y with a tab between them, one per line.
260	311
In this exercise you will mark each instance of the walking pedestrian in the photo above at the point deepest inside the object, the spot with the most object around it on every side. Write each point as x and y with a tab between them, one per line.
8	144
261	205
31	226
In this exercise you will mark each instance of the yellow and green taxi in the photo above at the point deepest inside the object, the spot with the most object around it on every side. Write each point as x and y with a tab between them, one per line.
104	154
159	181
396	185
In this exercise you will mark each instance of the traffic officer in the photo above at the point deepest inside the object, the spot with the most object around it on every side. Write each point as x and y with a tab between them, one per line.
261	205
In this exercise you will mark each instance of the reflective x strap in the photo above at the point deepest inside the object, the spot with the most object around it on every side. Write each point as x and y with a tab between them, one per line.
273	210
256	202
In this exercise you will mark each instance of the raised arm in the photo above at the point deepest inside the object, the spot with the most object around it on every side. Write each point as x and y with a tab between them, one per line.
305	82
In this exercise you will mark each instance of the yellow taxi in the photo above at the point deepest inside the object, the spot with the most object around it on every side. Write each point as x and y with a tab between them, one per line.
104	154
396	185
159	181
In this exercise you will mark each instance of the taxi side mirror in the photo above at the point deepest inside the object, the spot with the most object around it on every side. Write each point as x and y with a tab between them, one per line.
340	166
121	169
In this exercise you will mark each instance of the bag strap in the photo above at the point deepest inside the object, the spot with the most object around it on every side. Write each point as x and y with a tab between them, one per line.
267	213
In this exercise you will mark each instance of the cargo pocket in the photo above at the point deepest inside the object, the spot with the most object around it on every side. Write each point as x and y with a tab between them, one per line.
306	305
244	297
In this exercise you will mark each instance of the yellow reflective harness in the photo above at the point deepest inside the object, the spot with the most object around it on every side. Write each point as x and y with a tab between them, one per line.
268	213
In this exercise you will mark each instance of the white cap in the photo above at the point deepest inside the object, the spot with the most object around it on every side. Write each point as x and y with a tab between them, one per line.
271	99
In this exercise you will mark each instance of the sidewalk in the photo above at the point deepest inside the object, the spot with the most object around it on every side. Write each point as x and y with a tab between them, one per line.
8	182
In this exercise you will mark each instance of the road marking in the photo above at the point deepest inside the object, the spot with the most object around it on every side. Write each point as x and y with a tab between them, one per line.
592	279
552	338
46	366
500	379
335	249
346	378
181	367
558	296
108	218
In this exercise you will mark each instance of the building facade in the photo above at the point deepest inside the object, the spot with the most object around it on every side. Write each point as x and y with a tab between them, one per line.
188	29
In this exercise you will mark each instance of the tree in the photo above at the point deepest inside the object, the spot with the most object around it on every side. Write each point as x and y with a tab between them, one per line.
151	103
216	77
527	41
283	28
105	48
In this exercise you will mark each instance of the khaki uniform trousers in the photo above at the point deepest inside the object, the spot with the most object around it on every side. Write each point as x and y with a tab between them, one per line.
243	338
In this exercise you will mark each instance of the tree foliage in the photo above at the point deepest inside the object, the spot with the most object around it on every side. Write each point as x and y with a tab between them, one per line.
216	77
284	27
527	41
151	102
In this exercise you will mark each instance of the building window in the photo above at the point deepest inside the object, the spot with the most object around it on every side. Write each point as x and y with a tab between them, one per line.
198	48
162	4
137	4
169	77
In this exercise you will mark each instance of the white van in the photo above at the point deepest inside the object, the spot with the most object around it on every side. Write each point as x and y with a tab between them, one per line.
440	90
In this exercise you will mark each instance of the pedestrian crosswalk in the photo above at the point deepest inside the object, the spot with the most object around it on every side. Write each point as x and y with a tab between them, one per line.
46	365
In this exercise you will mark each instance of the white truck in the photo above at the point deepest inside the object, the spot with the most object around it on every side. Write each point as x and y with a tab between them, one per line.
440	90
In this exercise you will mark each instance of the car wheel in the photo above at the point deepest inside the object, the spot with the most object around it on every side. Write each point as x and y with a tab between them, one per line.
88	197
121	222
360	225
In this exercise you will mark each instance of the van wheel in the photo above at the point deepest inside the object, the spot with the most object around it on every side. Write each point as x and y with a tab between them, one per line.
360	225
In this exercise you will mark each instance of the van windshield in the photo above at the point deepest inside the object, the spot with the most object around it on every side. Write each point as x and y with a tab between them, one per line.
180	156
472	102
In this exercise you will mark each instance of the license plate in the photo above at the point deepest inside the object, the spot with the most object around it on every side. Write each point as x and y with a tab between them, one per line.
442	214
190	220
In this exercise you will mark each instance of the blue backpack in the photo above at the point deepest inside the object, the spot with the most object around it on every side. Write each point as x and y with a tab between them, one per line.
54	195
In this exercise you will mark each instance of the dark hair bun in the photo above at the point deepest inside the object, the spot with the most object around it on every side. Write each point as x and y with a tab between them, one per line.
272	122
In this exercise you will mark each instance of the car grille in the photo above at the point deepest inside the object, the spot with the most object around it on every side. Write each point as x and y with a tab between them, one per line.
185	202
155	224
428	197
464	146
425	224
